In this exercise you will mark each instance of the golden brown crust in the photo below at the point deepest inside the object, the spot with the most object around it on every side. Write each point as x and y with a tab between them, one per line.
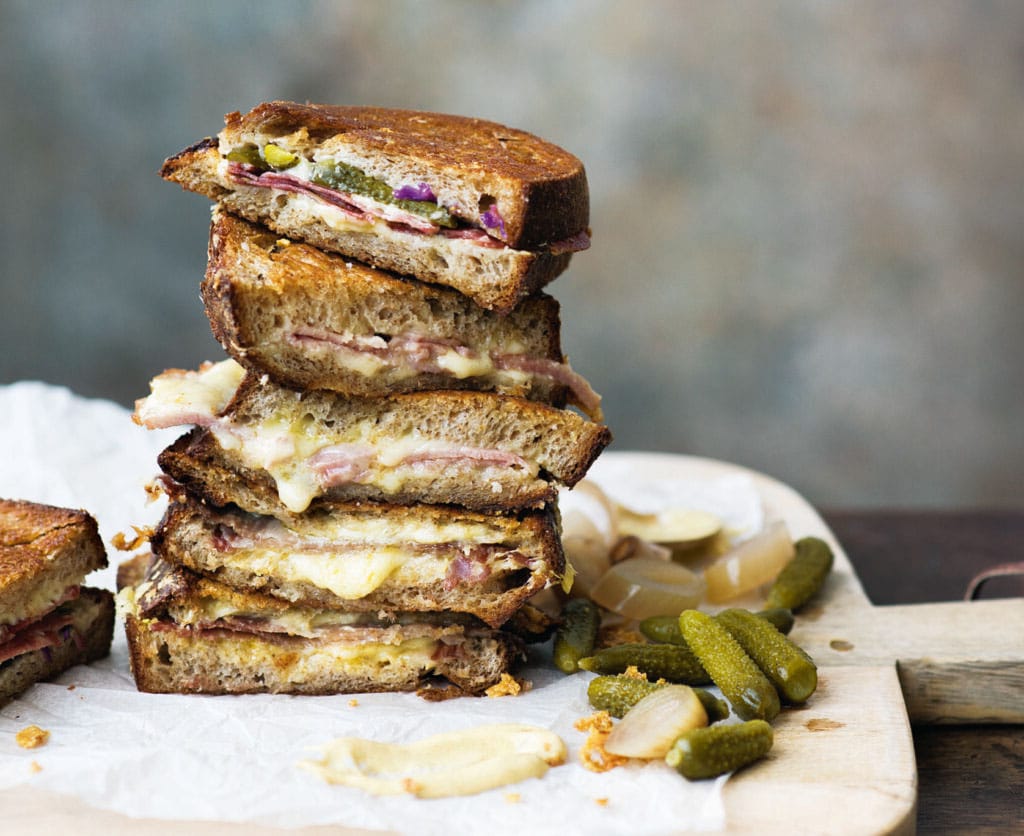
549	184
93	613
41	542
259	288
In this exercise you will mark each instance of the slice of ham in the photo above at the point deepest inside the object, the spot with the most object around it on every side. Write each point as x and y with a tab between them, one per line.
358	207
573	244
340	464
7	631
420	353
460	455
50	631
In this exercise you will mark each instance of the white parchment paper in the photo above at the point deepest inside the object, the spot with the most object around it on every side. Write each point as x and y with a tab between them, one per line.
234	758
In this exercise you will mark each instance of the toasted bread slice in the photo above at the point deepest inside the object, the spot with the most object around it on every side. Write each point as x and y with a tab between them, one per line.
371	557
191	635
314	320
85	636
44	550
274	449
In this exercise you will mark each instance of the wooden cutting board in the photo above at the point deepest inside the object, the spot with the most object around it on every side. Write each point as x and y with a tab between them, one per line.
842	764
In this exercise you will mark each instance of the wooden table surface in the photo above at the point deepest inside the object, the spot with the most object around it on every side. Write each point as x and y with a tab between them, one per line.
970	778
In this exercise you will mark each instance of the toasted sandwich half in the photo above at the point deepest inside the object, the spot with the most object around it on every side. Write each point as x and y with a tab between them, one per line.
368	557
313	320
49	622
491	211
273	450
188	634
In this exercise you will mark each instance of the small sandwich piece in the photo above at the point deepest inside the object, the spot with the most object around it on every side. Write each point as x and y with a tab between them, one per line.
272	450
312	320
187	634
491	211
49	622
370	558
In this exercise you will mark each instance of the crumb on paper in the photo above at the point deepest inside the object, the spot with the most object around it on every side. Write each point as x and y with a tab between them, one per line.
508	686
154	490
143	534
601	802
32	737
72	687
410	786
34	767
353	702
593	754
513	797
615	634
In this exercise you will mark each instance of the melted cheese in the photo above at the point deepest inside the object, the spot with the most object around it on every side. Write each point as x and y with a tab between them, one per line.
204	392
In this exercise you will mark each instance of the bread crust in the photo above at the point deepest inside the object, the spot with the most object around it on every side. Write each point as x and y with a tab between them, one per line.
541	188
189	533
43	545
93	613
259	289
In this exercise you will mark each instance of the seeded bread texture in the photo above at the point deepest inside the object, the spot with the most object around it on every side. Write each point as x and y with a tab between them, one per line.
259	289
561	442
93	613
42	544
191	534
495	278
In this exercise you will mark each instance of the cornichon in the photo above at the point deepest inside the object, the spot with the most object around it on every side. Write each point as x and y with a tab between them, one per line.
790	670
803	576
338	175
248	154
665	628
714	750
618	693
741	682
672	662
577	634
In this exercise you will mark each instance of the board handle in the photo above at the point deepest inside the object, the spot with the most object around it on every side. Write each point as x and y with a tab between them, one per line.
957	662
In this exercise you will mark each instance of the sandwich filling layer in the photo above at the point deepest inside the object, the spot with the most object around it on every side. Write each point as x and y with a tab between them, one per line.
304	459
49	629
413	354
347	199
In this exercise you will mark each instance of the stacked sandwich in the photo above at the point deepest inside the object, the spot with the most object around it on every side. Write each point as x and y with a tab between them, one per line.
366	500
49	621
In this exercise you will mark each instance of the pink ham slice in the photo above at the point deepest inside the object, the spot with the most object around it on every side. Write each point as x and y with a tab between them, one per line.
44	633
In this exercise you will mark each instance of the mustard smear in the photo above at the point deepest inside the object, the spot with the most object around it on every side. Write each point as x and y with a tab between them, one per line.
456	763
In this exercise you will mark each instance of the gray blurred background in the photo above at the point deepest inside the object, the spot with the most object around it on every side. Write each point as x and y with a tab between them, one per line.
808	217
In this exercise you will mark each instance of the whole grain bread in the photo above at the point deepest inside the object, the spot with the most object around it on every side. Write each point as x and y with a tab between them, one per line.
503	561
496	278
43	546
89	638
261	290
560	443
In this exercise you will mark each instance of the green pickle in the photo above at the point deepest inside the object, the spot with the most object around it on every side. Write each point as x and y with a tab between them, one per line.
344	177
672	662
248	154
665	628
740	680
803	576
278	158
715	708
790	670
714	750
618	693
577	634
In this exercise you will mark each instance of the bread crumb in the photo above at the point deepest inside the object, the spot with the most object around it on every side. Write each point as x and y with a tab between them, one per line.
353	702
615	634
34	767
593	755
32	737
142	536
633	672
601	802
508	686
513	797
72	687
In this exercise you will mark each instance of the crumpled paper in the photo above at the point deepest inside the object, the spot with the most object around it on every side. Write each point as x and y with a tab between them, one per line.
235	758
